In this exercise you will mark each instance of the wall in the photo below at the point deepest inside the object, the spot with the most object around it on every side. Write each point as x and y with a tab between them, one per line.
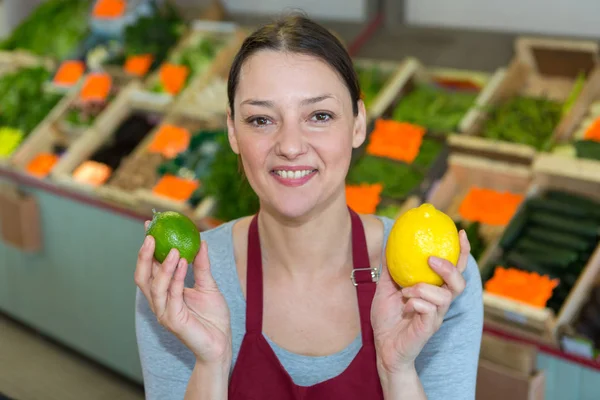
553	17
343	10
12	12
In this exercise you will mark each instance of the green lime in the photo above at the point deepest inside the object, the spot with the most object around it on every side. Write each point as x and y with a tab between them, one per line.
172	230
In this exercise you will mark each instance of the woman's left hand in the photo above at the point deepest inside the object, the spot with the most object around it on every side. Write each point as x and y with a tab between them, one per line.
404	319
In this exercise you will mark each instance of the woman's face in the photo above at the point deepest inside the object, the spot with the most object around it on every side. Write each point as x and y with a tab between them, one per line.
294	129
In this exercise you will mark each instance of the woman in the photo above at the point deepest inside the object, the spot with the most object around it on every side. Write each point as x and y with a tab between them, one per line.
268	309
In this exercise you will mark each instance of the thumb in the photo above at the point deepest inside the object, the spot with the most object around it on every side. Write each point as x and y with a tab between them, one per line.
203	278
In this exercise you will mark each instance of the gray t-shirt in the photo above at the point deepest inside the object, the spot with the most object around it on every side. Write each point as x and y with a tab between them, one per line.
447	365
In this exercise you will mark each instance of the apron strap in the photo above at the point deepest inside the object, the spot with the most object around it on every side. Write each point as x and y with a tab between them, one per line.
254	280
364	277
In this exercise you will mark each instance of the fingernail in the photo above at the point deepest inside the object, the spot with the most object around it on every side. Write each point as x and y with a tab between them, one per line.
435	261
465	234
172	254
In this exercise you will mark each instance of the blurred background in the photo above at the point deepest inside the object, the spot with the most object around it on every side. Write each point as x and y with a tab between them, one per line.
112	108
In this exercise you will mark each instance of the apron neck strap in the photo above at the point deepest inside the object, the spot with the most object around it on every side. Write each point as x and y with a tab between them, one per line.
363	277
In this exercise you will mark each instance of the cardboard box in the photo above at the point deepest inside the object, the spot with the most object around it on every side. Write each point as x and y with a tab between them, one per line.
507	370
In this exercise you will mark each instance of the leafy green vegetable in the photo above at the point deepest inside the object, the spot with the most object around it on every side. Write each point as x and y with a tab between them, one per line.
23	102
475	238
199	57
389	211
398	178
524	120
154	34
235	198
371	81
53	29
438	110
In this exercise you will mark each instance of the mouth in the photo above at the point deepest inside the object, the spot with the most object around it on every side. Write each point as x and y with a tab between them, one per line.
295	176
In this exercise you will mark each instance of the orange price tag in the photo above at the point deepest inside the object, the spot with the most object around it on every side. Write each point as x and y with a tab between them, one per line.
396	140
170	140
175	188
42	164
109	9
173	77
364	198
593	132
96	87
527	287
138	65
69	73
92	173
489	206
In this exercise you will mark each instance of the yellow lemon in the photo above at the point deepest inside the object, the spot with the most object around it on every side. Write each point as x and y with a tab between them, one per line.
417	234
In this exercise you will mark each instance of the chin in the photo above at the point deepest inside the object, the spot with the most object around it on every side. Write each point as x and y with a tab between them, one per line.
293	208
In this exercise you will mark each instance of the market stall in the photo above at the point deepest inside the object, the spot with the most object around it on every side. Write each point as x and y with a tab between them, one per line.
94	134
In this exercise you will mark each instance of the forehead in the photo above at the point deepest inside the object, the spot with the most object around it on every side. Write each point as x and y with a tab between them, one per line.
271	73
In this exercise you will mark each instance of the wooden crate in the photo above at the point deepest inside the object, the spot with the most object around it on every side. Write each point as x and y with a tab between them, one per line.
412	72
227	30
540	67
142	197
12	61
46	135
101	131
390	69
206	95
55	130
558	173
465	172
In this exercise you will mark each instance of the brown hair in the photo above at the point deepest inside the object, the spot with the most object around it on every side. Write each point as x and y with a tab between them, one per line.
296	33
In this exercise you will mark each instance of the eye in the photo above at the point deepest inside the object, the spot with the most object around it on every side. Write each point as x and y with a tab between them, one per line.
322	117
258	121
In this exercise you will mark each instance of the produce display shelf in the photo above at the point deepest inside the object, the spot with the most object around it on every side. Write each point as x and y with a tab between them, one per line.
19	178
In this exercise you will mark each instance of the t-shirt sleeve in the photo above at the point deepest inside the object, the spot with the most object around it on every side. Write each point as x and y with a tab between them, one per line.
447	365
166	363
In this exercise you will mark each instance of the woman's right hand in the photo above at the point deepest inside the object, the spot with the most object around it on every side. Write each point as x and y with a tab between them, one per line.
199	315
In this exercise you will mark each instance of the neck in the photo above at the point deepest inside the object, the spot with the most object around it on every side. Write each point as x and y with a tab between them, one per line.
309	247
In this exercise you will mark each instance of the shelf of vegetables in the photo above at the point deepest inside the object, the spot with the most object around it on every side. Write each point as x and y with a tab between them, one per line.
70	121
481	196
441	100
533	104
202	47
549	254
69	24
23	103
376	78
581	136
146	42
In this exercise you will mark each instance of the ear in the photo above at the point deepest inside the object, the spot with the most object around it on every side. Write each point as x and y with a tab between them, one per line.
231	132
360	126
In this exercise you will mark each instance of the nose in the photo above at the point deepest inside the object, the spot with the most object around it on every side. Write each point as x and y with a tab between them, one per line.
290	142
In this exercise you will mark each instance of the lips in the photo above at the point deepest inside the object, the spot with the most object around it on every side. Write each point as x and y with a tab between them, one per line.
293	176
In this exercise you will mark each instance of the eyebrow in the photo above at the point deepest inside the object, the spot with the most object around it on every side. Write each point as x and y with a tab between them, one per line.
270	104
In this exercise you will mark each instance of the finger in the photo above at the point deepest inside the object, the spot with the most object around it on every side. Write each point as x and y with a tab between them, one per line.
438	296
450	274
146	225
162	281
425	309
143	269
386	285
465	250
175	302
203	278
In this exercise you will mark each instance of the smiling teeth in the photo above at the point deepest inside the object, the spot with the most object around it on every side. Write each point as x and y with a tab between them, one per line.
293	174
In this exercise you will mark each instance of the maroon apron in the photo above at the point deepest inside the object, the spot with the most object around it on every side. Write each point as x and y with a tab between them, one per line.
259	375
